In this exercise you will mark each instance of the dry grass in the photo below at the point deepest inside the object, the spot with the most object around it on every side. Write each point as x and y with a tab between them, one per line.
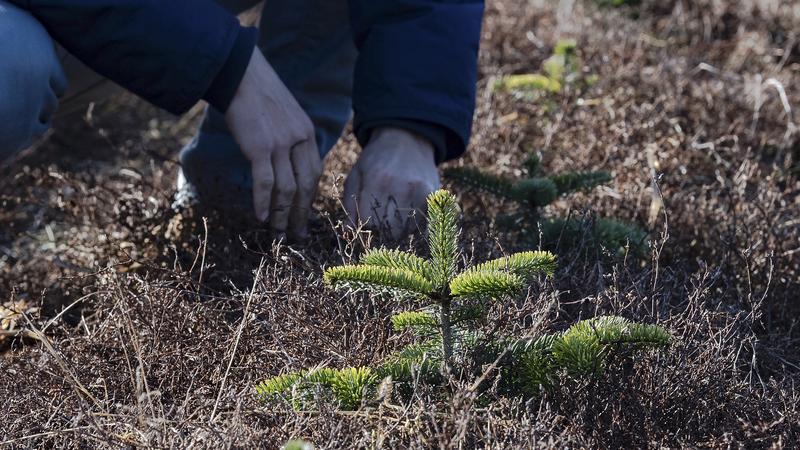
137	343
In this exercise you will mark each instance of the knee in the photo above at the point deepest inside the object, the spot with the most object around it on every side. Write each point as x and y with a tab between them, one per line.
31	79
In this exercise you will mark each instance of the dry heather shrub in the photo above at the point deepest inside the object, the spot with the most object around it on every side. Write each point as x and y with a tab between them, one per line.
154	350
151	344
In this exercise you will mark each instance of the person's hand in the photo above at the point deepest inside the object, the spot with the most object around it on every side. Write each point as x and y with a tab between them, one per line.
277	136
391	180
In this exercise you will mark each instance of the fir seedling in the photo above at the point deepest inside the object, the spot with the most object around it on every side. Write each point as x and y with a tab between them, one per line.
533	192
581	351
446	329
610	234
436	280
561	68
528	82
454	301
348	386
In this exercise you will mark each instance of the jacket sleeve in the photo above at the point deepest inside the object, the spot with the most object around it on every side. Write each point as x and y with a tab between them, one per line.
417	62
170	52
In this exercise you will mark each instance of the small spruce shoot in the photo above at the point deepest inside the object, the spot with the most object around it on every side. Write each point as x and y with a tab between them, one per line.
581	351
454	302
437	280
561	68
533	192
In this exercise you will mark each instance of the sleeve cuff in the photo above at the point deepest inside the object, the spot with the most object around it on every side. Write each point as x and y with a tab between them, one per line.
446	143
224	87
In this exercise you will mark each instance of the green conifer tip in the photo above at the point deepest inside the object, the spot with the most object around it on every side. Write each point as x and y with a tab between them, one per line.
349	386
397	259
486	284
416	320
536	192
579	181
424	358
443	236
524	264
378	277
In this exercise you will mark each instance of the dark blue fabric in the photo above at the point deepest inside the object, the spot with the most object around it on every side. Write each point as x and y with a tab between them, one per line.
221	92
435	134
31	80
417	61
167	51
417	58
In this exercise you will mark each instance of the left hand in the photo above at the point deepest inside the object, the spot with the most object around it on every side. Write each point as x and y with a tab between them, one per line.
391	180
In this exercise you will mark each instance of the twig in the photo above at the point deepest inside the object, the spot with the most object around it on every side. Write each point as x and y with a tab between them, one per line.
238	337
76	384
476	384
205	246
44	434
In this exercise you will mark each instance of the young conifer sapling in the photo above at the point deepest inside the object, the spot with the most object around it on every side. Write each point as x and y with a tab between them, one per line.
437	280
453	303
534	191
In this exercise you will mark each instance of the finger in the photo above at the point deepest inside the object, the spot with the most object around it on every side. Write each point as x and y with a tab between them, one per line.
396	215
420	203
371	209
352	191
405	211
263	180
307	170
283	192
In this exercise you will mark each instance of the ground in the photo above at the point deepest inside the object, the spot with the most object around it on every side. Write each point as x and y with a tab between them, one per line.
146	327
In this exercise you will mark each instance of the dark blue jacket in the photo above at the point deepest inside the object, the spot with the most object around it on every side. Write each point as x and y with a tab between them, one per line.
417	60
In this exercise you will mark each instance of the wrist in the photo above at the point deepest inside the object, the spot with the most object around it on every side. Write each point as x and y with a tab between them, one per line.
393	137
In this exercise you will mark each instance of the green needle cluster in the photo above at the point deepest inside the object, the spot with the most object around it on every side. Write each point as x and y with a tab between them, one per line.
533	192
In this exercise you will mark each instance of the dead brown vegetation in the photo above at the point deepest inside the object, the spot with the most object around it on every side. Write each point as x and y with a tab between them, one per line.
152	327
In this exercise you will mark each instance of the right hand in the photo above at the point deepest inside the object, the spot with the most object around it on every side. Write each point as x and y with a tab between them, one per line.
277	136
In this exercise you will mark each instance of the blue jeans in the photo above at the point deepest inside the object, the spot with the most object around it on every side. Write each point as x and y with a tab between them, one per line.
31	80
308	43
39	80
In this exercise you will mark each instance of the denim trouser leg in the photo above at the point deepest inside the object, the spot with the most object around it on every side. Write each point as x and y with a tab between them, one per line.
309	44
31	80
39	80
